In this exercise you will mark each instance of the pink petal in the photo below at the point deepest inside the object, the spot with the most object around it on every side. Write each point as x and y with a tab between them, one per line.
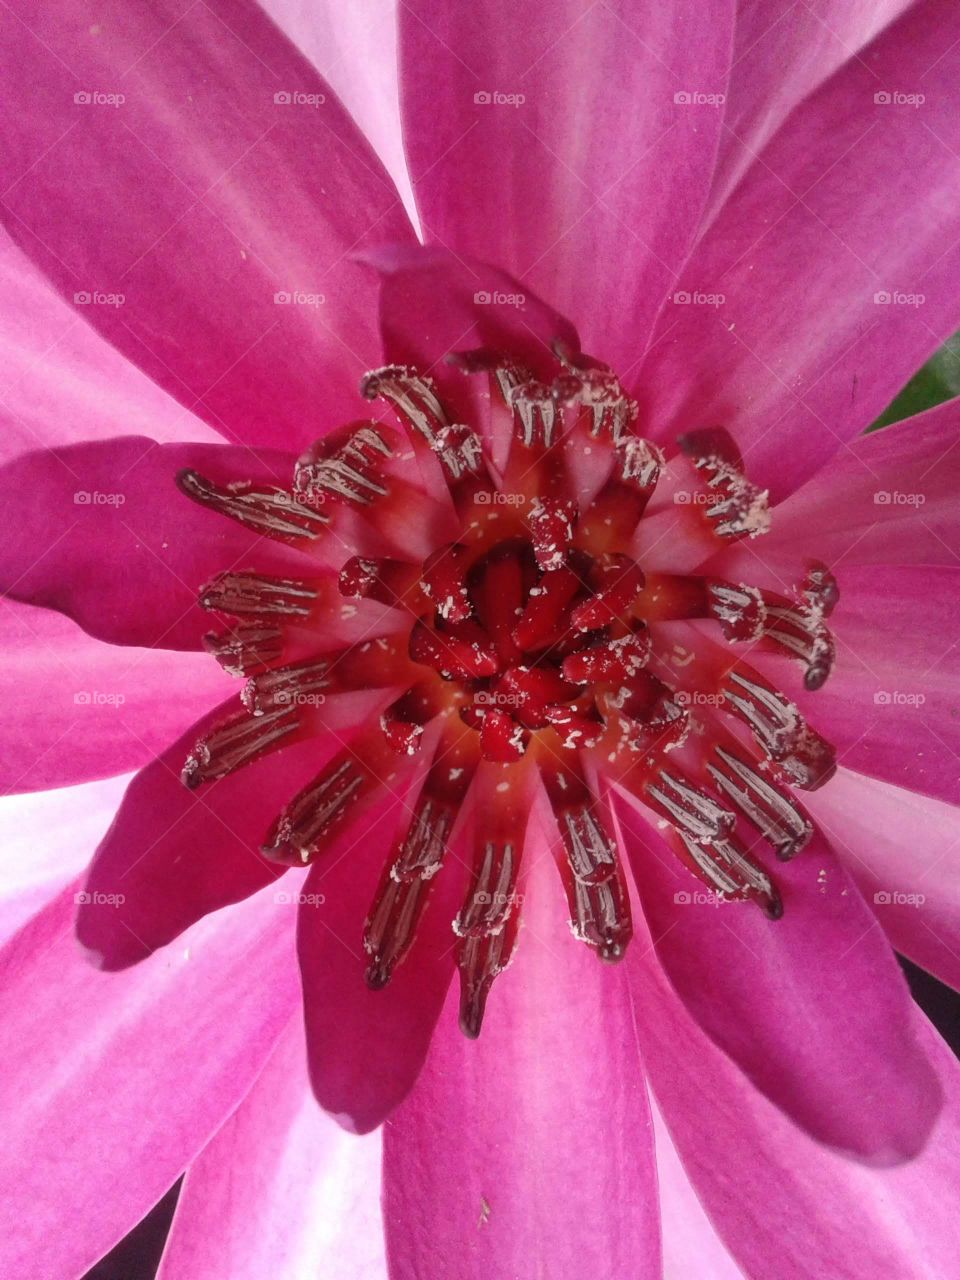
800	356
173	855
781	55
902	850
691	1246
354	47
531	1146
280	1190
590	189
62	382
199	199
77	709
113	1083
100	532
889	497
784	1204
46	841
367	1047
812	1007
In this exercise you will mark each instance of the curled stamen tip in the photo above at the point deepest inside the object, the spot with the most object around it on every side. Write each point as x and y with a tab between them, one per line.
472	1006
377	974
771	905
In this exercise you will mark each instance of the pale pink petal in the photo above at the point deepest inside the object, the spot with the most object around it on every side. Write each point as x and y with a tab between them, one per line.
783	1204
903	850
812	1008
45	842
113	1083
101	532
77	709
803	312
590	188
280	1191
223	215
60	381
533	1145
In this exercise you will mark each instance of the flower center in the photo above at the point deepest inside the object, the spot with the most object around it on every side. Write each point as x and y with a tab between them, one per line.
488	580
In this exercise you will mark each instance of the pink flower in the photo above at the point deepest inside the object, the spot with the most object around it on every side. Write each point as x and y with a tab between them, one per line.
597	576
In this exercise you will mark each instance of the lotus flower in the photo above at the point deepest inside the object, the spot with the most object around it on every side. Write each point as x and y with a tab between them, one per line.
515	464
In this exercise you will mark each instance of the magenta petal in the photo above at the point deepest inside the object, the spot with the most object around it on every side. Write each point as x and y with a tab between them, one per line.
824	311
889	497
62	382
113	1083
366	1047
100	532
354	48
890	704
784	1204
433	302
77	709
172	855
781	56
901	848
812	1007
568	150
219	201
280	1190
533	1142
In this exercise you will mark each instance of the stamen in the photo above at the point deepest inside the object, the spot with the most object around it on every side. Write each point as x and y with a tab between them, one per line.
412	396
739	509
237	742
296	834
778	819
781	730
276	513
255	595
245	649
347	465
